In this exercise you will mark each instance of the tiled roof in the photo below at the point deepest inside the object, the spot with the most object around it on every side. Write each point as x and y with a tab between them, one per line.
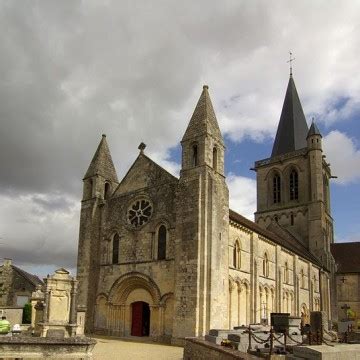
287	241
347	257
30	277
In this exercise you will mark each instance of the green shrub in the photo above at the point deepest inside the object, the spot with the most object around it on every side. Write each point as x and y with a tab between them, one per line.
26	318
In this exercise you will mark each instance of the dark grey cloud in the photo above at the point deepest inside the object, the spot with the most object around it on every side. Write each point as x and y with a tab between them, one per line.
72	70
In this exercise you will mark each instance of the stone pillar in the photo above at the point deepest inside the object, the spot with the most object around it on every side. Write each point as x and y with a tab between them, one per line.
46	306
230	302
73	303
239	306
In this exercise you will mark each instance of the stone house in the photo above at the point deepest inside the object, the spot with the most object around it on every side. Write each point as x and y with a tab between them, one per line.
16	285
347	279
165	257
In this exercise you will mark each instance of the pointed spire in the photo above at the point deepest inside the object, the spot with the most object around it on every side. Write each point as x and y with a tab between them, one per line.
203	120
314	130
292	130
102	163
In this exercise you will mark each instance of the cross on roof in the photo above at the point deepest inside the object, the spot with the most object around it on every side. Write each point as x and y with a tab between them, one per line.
343	279
291	59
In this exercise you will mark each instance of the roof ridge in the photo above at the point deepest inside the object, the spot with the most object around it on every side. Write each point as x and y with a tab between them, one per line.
141	154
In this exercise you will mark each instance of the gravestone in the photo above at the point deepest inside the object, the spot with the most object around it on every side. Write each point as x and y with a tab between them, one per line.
54	307
318	321
280	322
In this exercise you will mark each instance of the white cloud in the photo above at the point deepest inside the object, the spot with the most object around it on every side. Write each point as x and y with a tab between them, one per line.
242	193
344	156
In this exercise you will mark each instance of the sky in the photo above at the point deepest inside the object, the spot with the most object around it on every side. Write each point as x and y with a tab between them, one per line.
134	70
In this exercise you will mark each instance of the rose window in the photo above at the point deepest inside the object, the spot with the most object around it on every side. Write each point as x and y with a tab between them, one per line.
139	212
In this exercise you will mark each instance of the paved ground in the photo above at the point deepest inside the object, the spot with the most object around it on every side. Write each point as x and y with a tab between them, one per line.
108	348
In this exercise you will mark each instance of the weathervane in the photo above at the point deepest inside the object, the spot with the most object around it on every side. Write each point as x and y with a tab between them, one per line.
290	61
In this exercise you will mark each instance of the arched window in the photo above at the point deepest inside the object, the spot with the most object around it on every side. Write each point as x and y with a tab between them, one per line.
215	158
286	273
276	189
106	190
162	242
237	256
115	249
195	155
266	265
294	185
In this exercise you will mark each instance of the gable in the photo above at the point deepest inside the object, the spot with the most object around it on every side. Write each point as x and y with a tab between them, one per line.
142	174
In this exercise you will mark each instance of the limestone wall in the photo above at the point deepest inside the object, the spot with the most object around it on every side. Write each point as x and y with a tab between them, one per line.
267	278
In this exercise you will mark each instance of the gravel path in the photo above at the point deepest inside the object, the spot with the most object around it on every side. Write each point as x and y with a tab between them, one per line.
108	348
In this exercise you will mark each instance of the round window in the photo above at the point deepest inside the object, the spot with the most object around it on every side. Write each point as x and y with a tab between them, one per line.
139	212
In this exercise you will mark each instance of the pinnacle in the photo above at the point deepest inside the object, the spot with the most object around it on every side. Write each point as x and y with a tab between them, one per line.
101	163
314	130
203	120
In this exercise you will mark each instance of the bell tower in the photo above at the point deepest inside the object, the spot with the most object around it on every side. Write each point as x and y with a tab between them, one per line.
293	185
202	199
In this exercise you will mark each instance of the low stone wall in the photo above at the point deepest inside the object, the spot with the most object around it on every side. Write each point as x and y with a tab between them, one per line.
13	314
324	352
22	347
199	349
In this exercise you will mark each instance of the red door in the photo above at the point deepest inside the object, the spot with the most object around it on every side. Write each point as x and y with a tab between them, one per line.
137	318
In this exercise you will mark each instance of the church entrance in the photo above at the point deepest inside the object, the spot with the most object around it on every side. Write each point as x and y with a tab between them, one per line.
140	324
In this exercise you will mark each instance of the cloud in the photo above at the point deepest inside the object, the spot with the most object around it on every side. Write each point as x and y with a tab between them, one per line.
72	70
242	192
40	232
344	156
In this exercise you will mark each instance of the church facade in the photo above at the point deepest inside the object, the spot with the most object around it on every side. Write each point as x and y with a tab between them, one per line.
165	257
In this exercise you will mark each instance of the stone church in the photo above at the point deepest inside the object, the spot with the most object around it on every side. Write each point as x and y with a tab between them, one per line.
165	257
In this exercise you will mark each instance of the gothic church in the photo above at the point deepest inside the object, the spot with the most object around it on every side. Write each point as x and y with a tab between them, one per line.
165	257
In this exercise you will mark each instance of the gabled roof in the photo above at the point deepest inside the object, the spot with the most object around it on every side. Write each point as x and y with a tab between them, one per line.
287	240
30	277
101	163
347	256
144	173
203	120
292	130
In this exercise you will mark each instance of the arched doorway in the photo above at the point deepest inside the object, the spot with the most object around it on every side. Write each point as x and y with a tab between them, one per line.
140	320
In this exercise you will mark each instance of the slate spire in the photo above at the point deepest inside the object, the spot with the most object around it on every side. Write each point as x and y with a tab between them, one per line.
292	129
101	163
314	130
203	120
